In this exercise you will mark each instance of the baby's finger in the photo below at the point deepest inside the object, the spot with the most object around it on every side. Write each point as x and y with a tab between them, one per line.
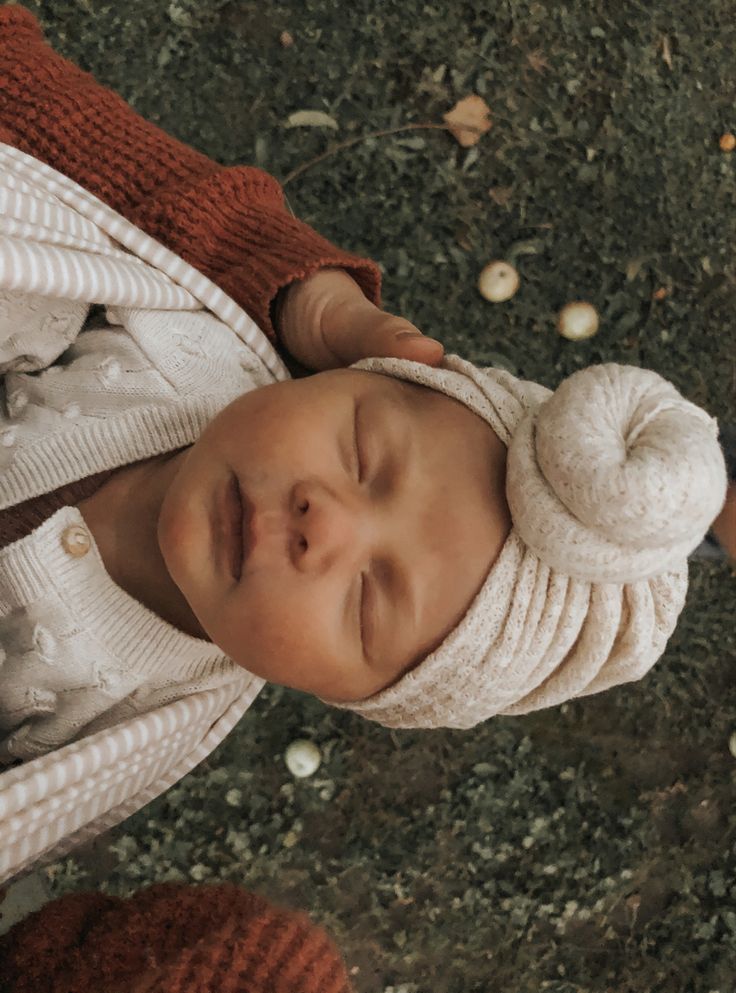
397	338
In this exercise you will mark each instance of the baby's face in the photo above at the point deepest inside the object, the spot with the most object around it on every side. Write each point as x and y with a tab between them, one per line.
373	511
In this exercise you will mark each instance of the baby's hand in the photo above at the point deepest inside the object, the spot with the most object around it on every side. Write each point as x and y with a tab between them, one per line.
326	322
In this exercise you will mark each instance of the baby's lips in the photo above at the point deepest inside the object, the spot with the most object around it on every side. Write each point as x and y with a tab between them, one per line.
247	531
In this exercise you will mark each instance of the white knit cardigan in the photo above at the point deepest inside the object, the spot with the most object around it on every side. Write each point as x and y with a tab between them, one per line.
175	351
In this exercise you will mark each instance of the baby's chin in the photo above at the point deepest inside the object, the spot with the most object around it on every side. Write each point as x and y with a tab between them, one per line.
183	602
170	546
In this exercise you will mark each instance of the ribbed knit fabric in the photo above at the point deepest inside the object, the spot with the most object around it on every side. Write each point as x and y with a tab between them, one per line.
611	481
169	938
19	521
229	222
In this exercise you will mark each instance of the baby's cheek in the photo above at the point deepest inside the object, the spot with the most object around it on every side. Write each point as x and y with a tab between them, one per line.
260	627
184	537
280	632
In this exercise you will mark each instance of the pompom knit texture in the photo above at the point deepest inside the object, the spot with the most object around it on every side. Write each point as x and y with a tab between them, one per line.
78	654
170	938
79	657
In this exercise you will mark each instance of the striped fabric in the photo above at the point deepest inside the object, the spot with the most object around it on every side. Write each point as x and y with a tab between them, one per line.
53	803
118	278
66	798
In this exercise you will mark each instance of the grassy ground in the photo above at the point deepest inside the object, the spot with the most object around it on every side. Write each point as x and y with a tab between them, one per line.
590	848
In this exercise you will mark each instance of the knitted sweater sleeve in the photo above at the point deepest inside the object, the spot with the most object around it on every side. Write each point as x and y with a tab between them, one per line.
229	222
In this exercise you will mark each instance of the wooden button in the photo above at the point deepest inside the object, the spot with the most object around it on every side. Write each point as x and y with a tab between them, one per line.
76	541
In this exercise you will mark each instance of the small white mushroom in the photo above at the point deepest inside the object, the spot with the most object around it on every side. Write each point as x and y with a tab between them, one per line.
732	744
498	281
302	758
578	320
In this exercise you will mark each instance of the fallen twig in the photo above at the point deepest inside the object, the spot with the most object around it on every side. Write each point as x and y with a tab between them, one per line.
427	126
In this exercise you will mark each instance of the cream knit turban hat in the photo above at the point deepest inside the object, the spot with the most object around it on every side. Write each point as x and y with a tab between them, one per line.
612	480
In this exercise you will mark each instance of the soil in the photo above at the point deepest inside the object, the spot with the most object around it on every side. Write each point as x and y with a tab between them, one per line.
587	849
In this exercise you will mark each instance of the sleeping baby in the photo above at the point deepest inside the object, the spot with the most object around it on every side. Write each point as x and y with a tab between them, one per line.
427	546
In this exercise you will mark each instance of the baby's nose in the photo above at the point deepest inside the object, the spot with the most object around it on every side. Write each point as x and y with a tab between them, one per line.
329	527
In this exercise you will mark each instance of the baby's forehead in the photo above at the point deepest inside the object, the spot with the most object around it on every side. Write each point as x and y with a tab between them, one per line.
412	395
407	398
364	383
420	400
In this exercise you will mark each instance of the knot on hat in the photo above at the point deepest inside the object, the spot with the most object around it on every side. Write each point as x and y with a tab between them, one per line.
615	477
611	482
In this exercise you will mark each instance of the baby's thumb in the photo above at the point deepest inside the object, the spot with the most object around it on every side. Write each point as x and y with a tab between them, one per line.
395	337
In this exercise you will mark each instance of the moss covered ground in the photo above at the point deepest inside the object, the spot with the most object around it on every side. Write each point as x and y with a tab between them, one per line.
582	850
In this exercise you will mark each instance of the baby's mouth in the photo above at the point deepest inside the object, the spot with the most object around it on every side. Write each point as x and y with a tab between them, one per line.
243	533
247	537
241	528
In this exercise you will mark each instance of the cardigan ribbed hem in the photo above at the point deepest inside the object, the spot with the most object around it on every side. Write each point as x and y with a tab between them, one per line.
135	637
93	447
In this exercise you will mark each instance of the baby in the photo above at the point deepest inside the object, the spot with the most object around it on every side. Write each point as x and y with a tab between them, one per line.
428	546
362	537
422	541
326	533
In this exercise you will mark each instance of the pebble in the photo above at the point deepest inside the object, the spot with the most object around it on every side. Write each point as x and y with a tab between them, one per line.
498	281
291	838
578	320
732	744
302	758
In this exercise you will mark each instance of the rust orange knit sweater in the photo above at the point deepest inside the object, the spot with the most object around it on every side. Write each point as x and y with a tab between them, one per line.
169	938
229	222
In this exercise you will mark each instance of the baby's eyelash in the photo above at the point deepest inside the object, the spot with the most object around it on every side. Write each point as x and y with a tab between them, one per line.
358	463
361	609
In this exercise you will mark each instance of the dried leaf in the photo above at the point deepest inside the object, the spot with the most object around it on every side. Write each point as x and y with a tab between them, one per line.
501	195
666	52
634	267
468	120
537	61
311	119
